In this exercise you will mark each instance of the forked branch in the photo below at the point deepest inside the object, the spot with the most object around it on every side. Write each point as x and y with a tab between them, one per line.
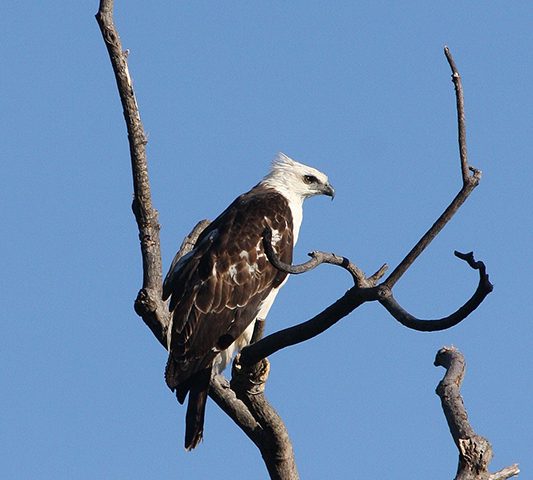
470	178
318	258
256	417
355	297
366	289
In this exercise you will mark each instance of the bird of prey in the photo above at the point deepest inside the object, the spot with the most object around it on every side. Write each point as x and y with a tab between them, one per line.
225	283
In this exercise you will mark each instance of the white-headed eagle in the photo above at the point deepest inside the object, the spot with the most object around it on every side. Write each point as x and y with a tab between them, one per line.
219	289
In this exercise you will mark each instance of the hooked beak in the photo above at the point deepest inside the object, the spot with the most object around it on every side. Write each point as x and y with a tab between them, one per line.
329	191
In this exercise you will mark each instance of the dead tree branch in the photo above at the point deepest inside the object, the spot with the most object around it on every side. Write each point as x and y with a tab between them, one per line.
470	177
354	298
405	318
249	385
475	452
365	289
243	400
148	304
256	417
318	258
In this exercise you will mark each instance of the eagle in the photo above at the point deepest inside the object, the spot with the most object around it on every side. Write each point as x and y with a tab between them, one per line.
225	283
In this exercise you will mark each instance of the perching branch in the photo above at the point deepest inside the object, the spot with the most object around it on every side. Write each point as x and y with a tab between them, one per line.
475	452
247	406
249	385
257	420
354	298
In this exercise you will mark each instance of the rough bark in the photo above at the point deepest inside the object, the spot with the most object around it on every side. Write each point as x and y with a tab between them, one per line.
475	451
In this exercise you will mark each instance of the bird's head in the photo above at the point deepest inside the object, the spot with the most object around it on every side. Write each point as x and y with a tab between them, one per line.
297	179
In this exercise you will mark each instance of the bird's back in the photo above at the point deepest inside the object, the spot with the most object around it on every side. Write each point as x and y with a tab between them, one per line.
217	290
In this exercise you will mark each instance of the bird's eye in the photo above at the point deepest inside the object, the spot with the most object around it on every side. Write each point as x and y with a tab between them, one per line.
310	179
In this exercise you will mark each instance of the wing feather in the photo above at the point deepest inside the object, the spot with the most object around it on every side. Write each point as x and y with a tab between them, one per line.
216	292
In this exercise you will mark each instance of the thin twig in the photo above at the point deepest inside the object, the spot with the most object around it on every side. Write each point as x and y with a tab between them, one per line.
470	177
461	122
505	473
189	241
318	258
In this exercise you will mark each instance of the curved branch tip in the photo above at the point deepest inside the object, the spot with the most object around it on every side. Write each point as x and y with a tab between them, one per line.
405	318
317	258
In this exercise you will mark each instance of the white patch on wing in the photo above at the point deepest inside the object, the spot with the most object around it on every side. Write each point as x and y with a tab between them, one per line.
276	237
169	332
244	254
233	272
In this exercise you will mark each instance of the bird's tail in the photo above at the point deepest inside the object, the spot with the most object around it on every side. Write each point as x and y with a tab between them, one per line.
197	386
194	419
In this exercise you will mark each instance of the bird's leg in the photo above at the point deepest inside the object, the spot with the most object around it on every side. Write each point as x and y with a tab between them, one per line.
249	380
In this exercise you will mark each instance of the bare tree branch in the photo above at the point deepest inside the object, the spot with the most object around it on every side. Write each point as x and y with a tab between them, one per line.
275	445
189	241
475	452
365	288
461	122
243	400
267	431
355	297
221	392
405	318
317	258
470	176
352	299
148	303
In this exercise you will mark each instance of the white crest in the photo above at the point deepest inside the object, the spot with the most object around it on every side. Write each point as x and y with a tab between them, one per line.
291	179
296	182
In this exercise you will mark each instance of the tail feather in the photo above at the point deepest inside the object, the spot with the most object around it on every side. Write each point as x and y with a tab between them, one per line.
196	386
194	419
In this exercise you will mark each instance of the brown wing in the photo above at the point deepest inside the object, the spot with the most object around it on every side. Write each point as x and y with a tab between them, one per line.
217	290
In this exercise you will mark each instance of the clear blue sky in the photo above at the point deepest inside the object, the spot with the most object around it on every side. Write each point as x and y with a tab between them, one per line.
360	90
